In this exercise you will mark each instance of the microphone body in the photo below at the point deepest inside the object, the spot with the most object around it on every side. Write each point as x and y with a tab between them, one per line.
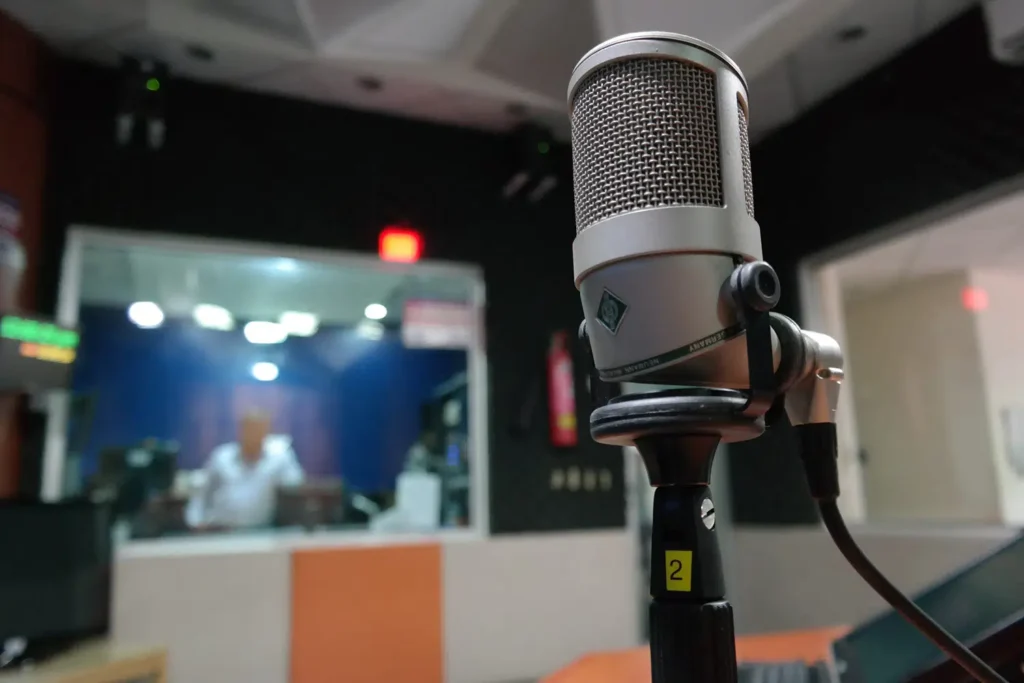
664	208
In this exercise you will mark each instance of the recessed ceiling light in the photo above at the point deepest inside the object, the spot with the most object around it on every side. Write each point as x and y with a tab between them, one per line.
286	265
299	324
199	52
851	34
264	332
146	314
264	372
213	317
376	312
370	83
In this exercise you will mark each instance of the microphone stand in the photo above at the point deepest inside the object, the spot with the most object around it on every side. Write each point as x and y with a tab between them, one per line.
677	432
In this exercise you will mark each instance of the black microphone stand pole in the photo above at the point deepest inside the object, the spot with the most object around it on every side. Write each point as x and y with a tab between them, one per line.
692	635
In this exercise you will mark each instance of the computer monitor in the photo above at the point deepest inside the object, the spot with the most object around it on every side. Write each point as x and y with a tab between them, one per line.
55	573
969	604
136	474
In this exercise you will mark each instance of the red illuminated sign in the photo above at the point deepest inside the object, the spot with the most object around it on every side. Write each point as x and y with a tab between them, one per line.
974	298
400	245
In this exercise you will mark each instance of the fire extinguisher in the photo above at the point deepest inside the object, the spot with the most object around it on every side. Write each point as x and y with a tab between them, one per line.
561	393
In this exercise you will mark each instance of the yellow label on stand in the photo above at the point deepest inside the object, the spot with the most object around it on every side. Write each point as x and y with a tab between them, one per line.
678	570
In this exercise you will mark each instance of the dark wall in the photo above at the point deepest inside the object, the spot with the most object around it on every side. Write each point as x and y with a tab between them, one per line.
351	405
938	123
22	164
252	167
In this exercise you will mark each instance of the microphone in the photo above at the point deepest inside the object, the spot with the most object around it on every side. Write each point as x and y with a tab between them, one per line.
664	208
667	260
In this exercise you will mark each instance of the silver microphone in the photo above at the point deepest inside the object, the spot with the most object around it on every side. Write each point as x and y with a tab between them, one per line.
664	209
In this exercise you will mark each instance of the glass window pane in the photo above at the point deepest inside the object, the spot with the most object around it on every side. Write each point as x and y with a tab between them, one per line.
228	392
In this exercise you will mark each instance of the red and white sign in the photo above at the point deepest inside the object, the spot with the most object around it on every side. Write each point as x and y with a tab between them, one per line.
438	325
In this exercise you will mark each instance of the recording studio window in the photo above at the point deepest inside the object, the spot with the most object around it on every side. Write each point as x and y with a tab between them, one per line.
220	392
932	406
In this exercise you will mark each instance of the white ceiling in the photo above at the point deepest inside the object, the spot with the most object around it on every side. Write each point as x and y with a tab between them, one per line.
990	236
466	61
256	287
824	64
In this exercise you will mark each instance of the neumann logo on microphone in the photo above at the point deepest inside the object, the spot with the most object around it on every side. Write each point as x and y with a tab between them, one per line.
610	311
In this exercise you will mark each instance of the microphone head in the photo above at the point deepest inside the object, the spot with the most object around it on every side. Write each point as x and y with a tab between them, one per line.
664	208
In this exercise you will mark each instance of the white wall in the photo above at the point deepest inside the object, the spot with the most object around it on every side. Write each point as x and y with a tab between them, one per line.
921	404
1000	329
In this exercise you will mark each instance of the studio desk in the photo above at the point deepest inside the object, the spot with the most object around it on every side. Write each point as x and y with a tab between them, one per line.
453	607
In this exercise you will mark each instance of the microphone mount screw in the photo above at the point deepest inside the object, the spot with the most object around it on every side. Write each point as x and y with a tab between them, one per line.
707	513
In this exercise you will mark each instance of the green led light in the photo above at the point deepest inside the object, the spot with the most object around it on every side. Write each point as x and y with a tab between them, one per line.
37	332
543	147
153	84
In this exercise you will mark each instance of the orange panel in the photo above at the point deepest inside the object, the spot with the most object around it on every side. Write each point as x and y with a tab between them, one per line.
367	615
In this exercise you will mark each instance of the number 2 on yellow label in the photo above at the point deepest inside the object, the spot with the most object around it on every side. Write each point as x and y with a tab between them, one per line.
678	570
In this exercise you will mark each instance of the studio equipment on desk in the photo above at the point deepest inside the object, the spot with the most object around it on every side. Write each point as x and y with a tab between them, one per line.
667	260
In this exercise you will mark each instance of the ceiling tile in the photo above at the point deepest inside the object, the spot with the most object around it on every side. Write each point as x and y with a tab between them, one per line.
877	266
539	44
226	65
300	81
330	18
279	17
427	28
825	64
717	22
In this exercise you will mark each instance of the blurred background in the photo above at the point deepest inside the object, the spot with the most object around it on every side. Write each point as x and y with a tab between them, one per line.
317	257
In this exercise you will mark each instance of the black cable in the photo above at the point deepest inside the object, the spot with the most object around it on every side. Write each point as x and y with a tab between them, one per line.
960	654
819	452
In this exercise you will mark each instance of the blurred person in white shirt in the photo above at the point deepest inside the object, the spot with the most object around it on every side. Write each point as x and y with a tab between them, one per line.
241	478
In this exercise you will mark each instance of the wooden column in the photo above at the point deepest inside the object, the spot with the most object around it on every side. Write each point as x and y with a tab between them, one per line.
22	164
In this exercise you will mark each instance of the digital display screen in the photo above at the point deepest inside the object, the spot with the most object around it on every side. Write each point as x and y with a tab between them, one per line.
968	605
35	354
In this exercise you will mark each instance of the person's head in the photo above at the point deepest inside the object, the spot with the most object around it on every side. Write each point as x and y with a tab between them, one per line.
253	428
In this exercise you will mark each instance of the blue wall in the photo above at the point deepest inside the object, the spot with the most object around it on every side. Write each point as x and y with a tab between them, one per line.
351	405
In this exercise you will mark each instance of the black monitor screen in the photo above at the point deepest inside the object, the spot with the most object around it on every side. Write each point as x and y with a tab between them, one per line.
55	570
968	604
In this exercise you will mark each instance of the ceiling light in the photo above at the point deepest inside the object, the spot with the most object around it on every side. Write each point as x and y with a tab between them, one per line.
264	332
213	317
370	329
264	372
298	324
376	312
146	314
286	265
850	34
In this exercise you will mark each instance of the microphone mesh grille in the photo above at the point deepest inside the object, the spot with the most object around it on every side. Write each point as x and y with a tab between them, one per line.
645	135
748	177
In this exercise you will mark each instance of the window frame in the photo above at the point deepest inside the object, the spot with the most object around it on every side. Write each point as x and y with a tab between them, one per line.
80	237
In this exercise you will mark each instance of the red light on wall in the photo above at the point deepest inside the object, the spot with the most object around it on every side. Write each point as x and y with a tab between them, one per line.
400	245
974	298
